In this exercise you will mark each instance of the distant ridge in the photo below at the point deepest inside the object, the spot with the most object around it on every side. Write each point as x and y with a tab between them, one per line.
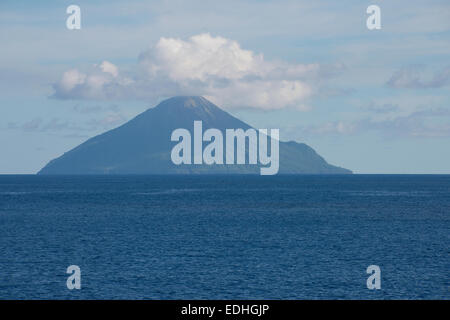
143	146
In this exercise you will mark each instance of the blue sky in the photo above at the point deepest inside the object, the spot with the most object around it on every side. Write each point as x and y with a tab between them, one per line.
373	101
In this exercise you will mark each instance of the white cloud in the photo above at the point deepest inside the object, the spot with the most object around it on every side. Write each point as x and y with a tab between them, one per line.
200	58
108	67
71	79
214	67
264	94
102	82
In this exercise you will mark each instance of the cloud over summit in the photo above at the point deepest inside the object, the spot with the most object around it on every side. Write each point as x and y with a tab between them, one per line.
215	67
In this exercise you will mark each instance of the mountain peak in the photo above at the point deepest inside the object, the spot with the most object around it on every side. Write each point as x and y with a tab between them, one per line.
185	102
191	106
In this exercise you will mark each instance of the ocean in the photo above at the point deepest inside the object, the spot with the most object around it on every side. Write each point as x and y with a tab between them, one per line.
225	237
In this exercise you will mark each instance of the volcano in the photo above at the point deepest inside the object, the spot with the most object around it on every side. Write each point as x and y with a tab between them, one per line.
143	145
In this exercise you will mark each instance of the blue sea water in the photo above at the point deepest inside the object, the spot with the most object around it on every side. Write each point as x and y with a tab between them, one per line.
225	237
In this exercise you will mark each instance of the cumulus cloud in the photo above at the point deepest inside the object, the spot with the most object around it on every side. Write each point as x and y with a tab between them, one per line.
200	58
108	67
413	77
101	82
215	67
